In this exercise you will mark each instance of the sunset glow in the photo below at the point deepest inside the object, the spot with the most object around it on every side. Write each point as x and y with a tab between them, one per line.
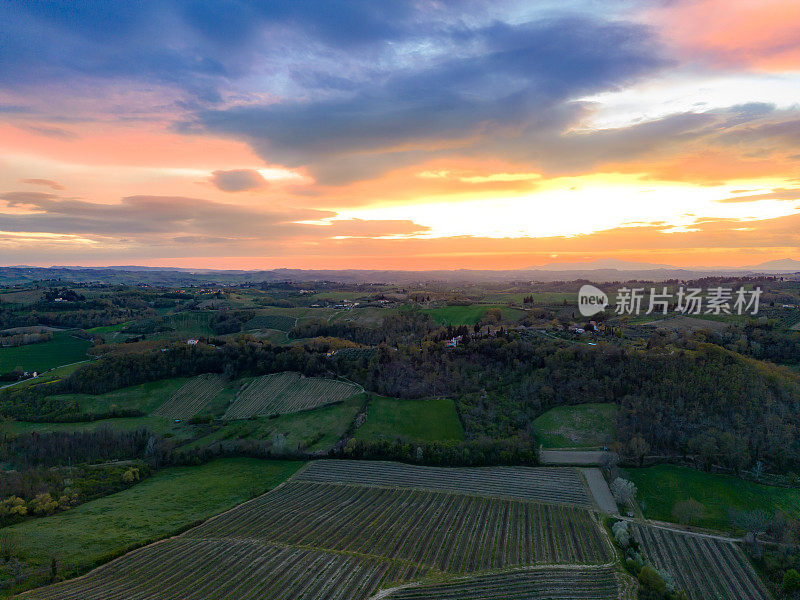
399	135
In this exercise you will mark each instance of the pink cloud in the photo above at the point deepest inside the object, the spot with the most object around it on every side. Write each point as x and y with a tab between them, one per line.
763	34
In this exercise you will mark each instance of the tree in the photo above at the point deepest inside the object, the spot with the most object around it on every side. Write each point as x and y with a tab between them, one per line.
279	442
53	569
638	447
651	580
688	512
43	504
492	316
791	583
130	475
14	507
622	534
609	463
753	522
624	491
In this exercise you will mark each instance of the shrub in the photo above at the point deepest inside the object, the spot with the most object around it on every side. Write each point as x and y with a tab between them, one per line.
43	504
621	533
791	582
688	512
651	580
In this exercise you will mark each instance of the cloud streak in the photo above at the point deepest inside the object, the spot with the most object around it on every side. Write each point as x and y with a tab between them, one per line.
238	180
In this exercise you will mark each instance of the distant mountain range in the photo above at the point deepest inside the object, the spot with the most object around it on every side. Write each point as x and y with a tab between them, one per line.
772	266
605	270
608	263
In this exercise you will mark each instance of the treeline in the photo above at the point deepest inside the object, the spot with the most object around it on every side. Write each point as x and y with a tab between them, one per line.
696	400
471	453
224	322
510	451
235	358
51	449
761	342
680	398
40	491
8	340
404	327
77	318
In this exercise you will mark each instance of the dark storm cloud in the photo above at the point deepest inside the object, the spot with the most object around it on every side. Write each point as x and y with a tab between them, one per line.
395	82
518	75
238	180
197	46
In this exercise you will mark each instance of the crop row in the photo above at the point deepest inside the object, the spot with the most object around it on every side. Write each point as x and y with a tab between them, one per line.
452	532
705	568
191	397
185	568
280	322
555	583
541	484
286	393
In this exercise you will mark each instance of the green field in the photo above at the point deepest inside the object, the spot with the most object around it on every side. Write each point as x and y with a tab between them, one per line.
187	324
109	328
274	336
158	507
581	426
21	297
51	375
369	315
270	321
543	298
325	425
414	420
663	486
155	424
145	397
63	349
469	315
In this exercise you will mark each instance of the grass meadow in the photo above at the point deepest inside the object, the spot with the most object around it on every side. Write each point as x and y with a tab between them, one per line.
663	486
414	420
160	506
582	426
63	349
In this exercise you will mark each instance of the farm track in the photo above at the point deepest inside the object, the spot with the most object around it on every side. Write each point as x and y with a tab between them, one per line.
555	583
705	567
539	484
287	392
191	397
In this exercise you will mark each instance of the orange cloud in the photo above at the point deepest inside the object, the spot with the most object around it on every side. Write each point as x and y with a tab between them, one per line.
709	242
116	144
708	166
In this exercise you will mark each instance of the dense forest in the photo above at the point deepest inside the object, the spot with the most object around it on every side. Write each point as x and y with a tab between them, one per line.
680	397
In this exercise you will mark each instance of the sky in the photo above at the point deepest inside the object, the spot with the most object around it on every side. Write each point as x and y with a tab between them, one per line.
387	134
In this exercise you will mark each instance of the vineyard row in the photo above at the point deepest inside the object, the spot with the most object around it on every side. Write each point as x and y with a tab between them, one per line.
540	484
452	532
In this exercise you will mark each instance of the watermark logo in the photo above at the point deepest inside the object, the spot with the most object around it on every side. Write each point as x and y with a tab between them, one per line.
591	300
688	301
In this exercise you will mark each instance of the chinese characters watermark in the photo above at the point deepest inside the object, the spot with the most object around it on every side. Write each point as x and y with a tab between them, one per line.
685	300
